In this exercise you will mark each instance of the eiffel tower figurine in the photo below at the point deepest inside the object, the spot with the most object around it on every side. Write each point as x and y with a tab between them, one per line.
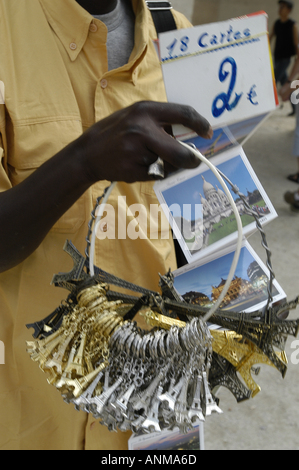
264	334
71	279
167	286
223	374
242	354
169	291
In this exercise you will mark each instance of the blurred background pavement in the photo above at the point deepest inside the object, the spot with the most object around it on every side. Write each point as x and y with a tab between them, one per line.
271	420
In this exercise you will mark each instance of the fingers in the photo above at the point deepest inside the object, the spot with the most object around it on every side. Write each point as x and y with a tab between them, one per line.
171	151
158	142
136	136
170	113
161	143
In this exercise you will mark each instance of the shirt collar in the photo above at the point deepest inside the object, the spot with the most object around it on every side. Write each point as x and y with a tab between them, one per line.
71	23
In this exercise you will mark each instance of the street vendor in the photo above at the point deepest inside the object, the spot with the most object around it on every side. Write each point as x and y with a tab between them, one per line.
78	110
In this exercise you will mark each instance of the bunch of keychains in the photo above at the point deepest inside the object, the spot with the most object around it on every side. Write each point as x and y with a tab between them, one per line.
93	352
127	377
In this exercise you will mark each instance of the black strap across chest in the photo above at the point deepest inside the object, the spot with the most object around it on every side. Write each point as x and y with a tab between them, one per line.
162	16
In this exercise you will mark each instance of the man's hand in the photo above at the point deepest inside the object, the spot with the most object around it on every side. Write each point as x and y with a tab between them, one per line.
124	145
118	148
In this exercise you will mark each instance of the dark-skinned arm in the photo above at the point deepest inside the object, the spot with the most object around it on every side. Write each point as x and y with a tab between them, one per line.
118	148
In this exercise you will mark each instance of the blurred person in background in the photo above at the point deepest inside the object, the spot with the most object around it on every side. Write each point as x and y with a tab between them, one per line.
285	32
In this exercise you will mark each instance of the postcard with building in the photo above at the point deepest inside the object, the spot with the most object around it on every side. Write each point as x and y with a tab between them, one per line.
199	211
170	440
202	282
228	136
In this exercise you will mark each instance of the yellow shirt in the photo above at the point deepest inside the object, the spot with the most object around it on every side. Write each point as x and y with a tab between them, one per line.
54	67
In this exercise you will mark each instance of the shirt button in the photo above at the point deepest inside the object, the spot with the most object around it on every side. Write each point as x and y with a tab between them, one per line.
93	28
73	46
104	83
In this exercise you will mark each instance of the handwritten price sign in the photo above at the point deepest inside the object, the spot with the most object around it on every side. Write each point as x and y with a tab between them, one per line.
224	70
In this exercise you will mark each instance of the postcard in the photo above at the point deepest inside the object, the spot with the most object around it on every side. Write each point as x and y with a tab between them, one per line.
169	440
199	211
202	282
227	136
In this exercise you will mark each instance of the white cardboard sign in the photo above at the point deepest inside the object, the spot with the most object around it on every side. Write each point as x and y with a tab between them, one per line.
224	70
